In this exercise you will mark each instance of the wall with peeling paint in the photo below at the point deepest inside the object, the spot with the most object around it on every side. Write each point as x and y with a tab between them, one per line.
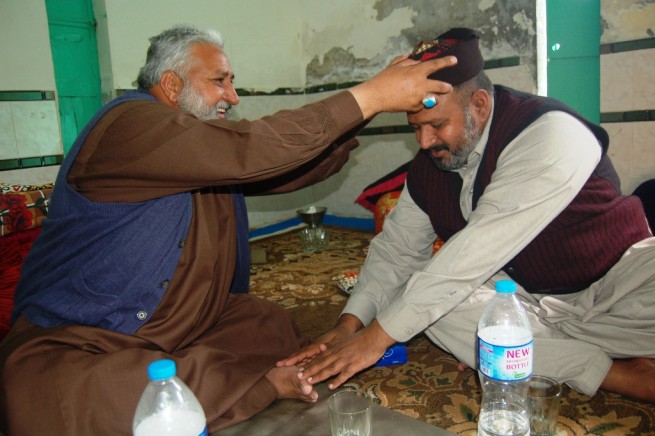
353	45
626	20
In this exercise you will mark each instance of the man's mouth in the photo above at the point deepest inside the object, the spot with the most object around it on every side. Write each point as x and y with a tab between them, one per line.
222	112
439	151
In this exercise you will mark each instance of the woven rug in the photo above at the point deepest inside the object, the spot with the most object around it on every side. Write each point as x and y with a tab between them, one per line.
428	387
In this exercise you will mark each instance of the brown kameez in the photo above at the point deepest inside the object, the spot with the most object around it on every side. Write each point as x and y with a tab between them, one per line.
80	380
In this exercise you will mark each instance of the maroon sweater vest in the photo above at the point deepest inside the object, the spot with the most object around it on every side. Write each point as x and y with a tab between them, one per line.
580	245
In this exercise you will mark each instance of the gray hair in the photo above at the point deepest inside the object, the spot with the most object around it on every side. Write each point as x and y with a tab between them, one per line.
465	90
170	50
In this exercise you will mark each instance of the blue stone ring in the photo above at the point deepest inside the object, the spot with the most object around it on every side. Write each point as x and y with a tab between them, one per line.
430	100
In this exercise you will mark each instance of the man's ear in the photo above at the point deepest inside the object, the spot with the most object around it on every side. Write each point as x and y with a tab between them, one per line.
171	85
481	103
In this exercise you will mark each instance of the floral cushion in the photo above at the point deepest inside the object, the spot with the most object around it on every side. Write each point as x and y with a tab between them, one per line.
346	281
23	207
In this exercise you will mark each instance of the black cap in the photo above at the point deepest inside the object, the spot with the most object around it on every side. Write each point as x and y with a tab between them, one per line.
460	42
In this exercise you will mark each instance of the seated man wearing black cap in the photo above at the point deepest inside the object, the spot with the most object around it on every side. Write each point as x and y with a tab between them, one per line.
520	187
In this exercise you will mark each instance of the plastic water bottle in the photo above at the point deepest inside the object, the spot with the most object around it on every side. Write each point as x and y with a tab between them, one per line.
167	405
504	364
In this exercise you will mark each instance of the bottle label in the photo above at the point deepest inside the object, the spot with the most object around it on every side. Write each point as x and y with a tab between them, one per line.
173	422
505	363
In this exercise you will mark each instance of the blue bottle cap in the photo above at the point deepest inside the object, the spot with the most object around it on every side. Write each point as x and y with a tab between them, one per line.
505	286
161	369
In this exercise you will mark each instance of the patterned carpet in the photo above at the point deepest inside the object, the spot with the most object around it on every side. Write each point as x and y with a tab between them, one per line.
428	387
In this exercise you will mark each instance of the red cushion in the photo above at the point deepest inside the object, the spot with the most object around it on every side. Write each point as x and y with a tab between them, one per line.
394	181
13	249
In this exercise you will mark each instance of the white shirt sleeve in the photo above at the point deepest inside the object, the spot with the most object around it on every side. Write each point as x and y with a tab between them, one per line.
537	176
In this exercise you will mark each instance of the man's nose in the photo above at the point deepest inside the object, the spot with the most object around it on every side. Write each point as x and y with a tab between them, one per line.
231	95
426	140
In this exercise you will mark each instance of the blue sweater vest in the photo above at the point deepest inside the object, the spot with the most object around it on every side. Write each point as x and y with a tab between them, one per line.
102	264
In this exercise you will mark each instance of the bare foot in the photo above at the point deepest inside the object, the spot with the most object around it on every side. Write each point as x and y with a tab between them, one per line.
288	385
634	378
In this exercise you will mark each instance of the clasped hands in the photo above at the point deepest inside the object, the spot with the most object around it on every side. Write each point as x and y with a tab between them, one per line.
342	352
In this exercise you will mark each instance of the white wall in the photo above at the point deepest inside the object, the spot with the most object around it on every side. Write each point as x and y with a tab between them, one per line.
262	37
27	128
25	57
627	85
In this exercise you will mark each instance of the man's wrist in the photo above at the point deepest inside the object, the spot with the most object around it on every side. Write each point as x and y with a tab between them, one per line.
382	338
365	99
350	323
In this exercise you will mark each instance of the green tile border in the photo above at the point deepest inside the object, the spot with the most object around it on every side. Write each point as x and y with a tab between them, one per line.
628	116
30	162
385	130
502	63
26	95
618	47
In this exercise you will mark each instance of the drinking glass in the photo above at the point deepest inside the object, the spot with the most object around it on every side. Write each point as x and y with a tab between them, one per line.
350	414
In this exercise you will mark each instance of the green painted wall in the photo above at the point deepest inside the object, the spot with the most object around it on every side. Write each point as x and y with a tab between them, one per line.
574	54
75	57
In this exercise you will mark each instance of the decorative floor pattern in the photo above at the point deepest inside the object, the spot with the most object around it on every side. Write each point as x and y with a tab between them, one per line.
428	387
